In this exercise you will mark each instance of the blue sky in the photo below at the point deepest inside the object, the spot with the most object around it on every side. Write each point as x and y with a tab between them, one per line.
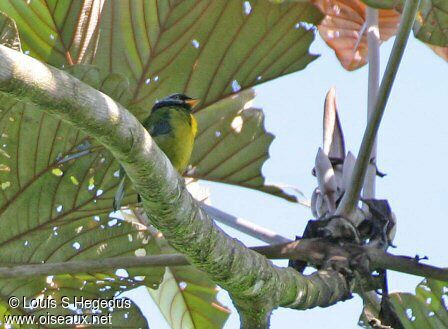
412	151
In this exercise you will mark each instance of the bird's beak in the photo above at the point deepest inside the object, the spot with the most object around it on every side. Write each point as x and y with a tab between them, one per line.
193	102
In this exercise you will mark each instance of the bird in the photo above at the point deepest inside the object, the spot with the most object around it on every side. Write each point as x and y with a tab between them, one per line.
173	127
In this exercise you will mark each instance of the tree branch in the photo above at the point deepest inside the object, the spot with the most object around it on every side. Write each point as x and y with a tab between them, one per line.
249	277
351	197
313	251
317	251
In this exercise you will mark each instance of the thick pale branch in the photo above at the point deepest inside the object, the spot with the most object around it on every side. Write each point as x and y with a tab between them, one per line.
351	197
247	275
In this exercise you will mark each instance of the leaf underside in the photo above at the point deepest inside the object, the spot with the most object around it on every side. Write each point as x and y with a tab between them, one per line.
428	308
431	23
342	26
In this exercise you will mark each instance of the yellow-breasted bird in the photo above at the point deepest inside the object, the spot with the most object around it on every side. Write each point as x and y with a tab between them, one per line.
173	127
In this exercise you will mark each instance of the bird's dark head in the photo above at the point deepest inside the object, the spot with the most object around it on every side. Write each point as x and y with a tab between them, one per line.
177	100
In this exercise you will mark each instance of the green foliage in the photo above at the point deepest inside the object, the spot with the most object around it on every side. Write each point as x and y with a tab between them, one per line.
208	50
79	286
202	47
232	144
187	299
426	309
56	32
431	24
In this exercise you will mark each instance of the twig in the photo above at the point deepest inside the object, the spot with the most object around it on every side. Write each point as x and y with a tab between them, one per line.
245	226
351	196
96	265
405	264
316	251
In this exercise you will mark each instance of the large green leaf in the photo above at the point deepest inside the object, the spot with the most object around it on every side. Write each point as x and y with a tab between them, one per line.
431	24
232	144
208	49
202	47
56	183
428	308
58	32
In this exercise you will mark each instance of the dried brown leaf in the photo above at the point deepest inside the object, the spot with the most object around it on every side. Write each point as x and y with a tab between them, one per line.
343	24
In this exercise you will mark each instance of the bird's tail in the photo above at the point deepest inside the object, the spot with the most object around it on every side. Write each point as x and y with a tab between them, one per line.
119	195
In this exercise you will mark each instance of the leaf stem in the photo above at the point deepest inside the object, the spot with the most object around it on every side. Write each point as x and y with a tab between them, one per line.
351	197
370	298
373	41
245	226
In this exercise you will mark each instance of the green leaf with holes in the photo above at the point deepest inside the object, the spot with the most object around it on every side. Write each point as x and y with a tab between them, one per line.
9	36
232	144
207	49
210	50
64	291
428	308
431	23
187	299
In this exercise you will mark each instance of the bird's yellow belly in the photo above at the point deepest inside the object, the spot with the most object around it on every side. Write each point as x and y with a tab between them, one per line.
178	147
